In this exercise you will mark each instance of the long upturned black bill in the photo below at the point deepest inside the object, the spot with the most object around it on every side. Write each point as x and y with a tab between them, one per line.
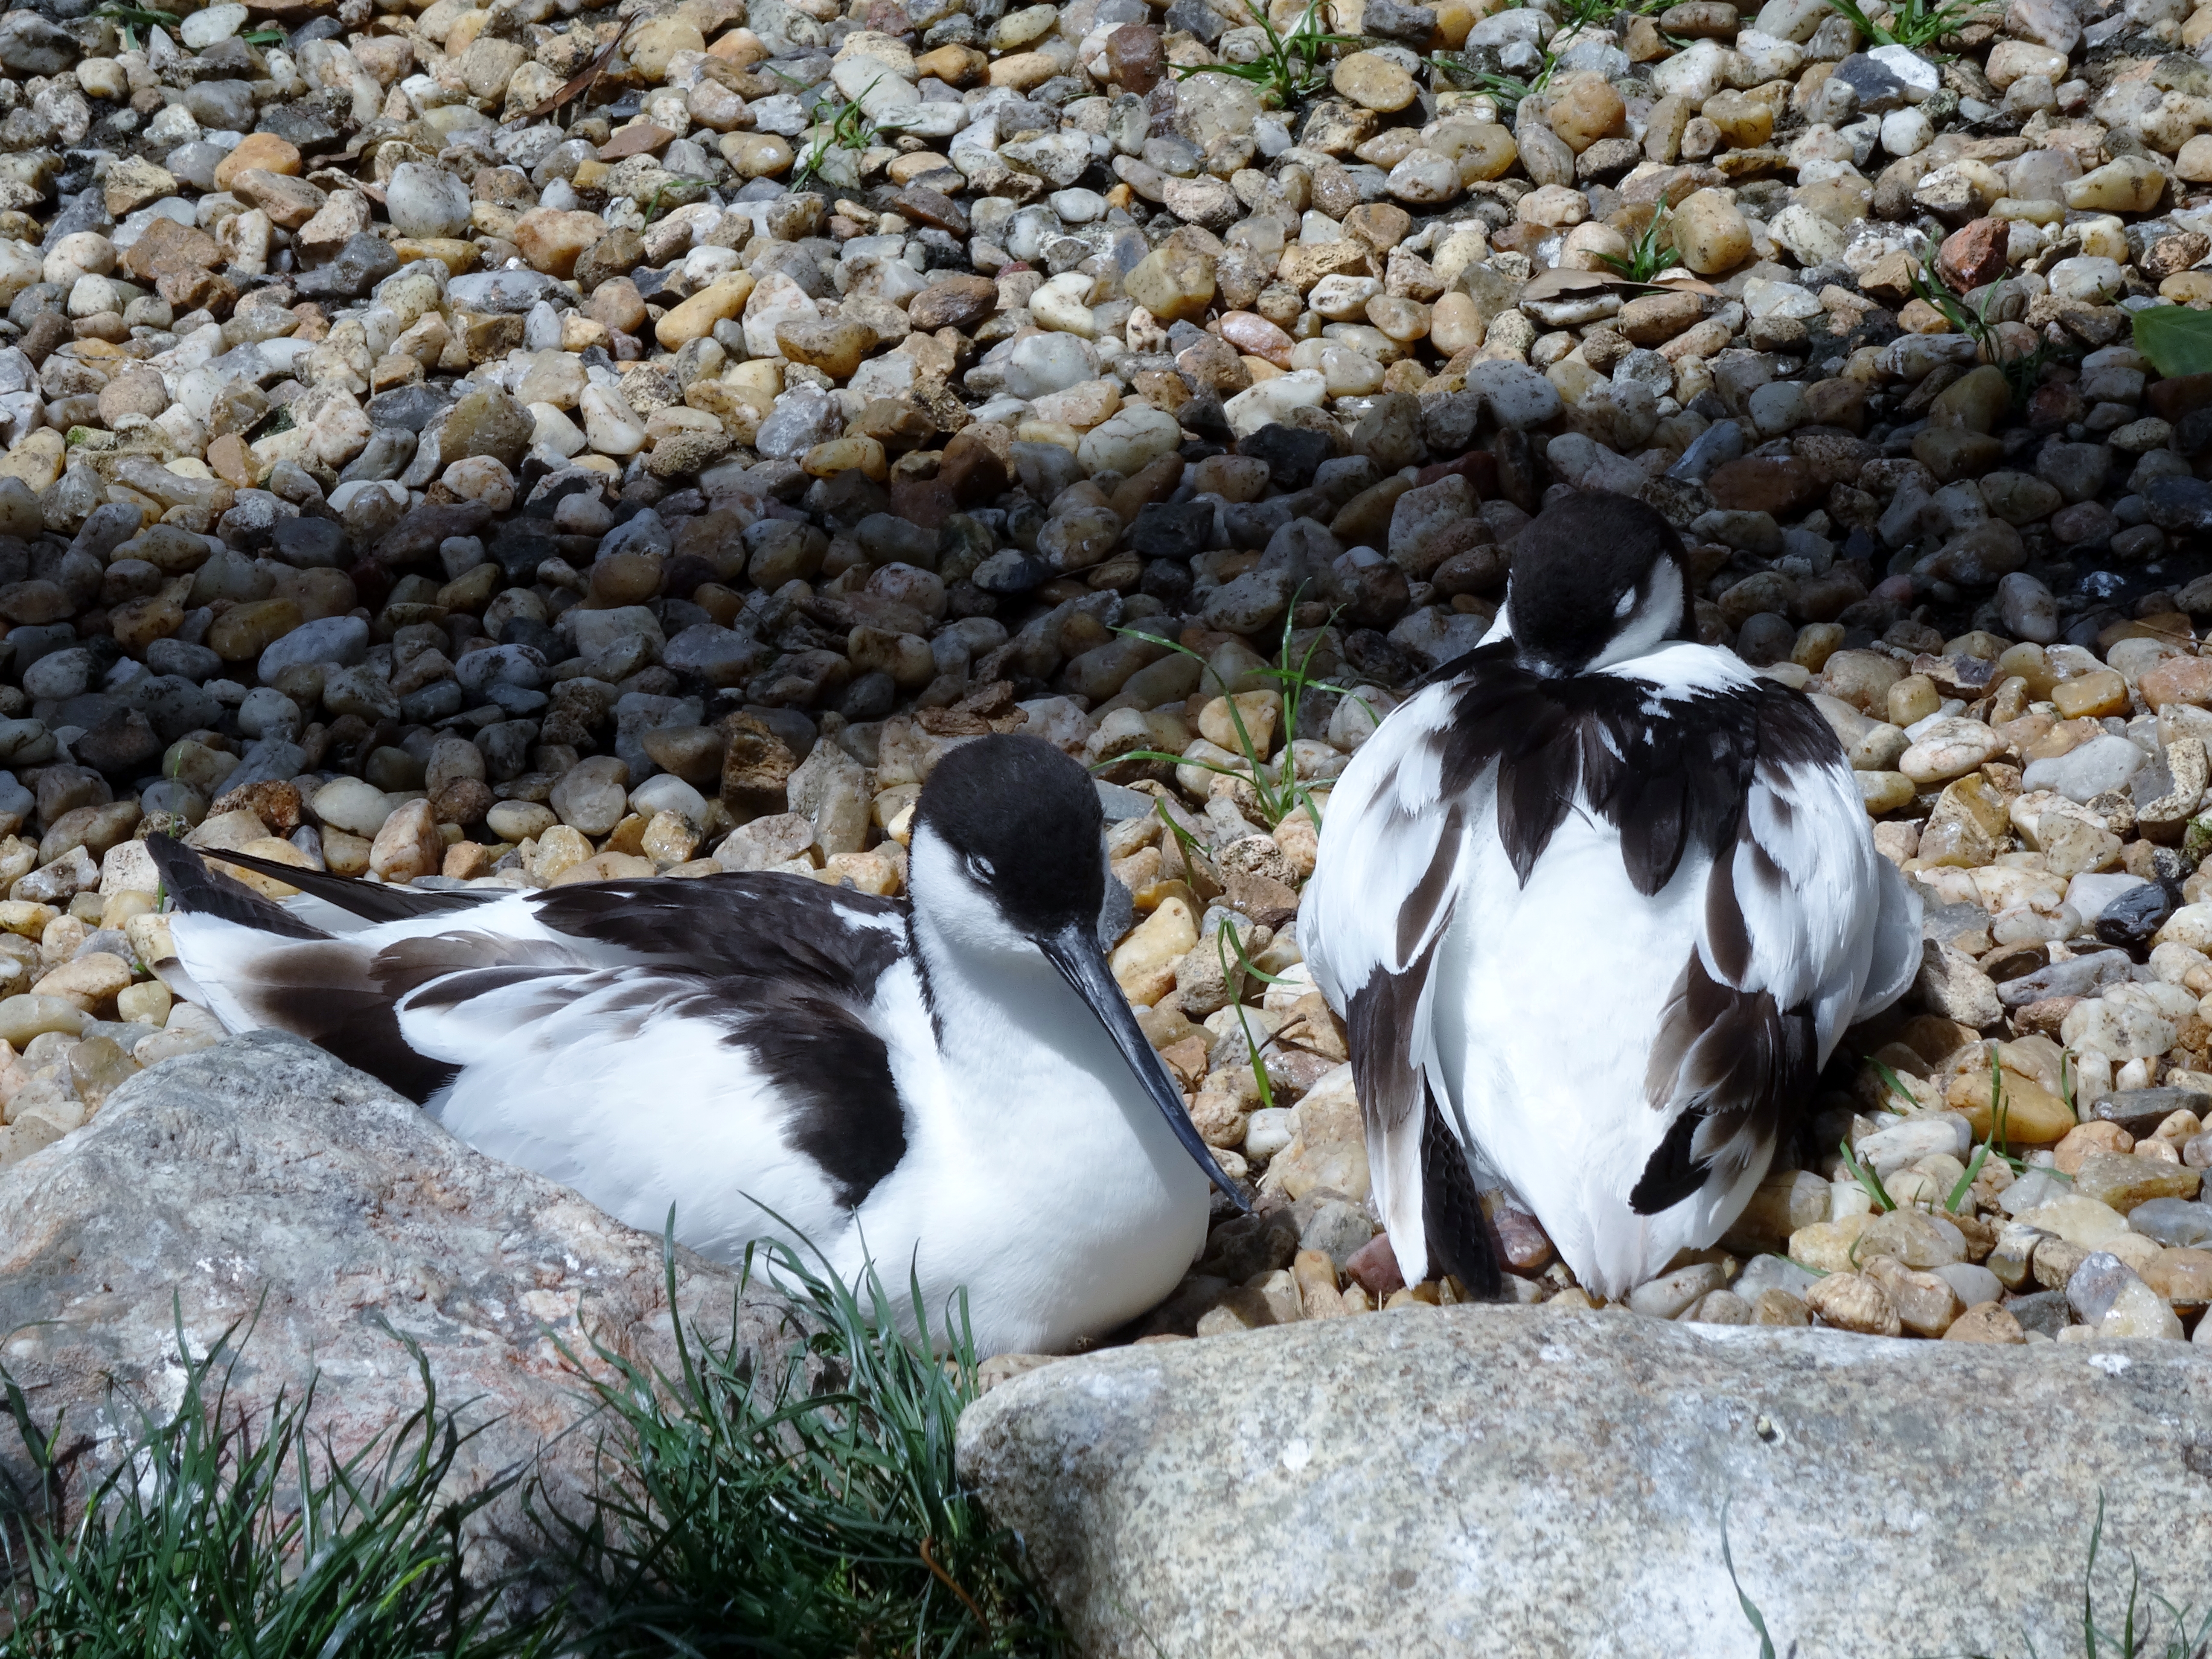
1075	951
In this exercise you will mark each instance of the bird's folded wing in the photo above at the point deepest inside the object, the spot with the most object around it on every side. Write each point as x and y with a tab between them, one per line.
1804	926
417	994
746	1007
767	924
324	897
1393	847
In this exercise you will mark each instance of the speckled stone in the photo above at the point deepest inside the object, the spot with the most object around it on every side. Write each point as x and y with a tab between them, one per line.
1138	1507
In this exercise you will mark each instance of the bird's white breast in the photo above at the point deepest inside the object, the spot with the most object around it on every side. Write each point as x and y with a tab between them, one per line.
1041	1176
1547	1001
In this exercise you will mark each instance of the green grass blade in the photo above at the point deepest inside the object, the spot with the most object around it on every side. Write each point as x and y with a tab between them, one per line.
1866	1178
1186	842
1244	961
1862	23
1751	1615
1891	1082
1964	1183
2088	1585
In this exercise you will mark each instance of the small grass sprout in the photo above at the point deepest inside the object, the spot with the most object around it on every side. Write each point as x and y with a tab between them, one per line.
1966	1182
129	19
1227	939
1184	840
2022	370
1506	90
2129	1643
1289	70
1997	1143
1895	1085
672	192
2137	1638
1278	789
837	123
1652	253
1994	1143
1914	23
1867	1178
1579	14
2133	1640
1751	1615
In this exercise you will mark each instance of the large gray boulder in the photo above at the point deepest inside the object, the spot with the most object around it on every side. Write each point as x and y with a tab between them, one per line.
1526	1482
262	1181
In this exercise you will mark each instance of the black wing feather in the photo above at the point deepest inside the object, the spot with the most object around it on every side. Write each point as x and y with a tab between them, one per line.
1740	1065
198	889
1665	782
1452	1218
371	901
766	925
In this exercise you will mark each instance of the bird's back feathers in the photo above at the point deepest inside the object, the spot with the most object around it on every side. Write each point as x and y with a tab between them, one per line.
1707	815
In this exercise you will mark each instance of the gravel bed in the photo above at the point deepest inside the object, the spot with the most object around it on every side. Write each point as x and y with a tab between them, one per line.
520	444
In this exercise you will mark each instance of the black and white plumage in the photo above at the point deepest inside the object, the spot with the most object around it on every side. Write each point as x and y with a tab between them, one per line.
1595	904
956	1085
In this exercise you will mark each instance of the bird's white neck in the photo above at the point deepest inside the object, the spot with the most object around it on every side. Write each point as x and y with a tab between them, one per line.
1018	1043
1004	1018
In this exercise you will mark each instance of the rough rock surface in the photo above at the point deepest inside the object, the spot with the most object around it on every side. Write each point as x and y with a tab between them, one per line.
1541	1482
263	1181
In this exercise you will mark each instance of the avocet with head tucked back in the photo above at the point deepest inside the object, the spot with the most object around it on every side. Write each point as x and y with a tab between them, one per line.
957	1085
1595	904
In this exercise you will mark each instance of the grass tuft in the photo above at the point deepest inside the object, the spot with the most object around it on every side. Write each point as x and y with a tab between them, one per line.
218	1538
1914	23
1289	71
2136	1638
1579	14
1652	253
2023	371
806	1509
129	20
1505	90
1279	790
837	123
2130	1642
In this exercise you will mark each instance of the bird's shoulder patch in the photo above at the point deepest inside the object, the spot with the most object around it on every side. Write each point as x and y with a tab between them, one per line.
1667	763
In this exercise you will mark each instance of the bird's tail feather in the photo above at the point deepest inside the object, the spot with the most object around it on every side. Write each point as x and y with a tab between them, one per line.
1458	1233
198	888
256	965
